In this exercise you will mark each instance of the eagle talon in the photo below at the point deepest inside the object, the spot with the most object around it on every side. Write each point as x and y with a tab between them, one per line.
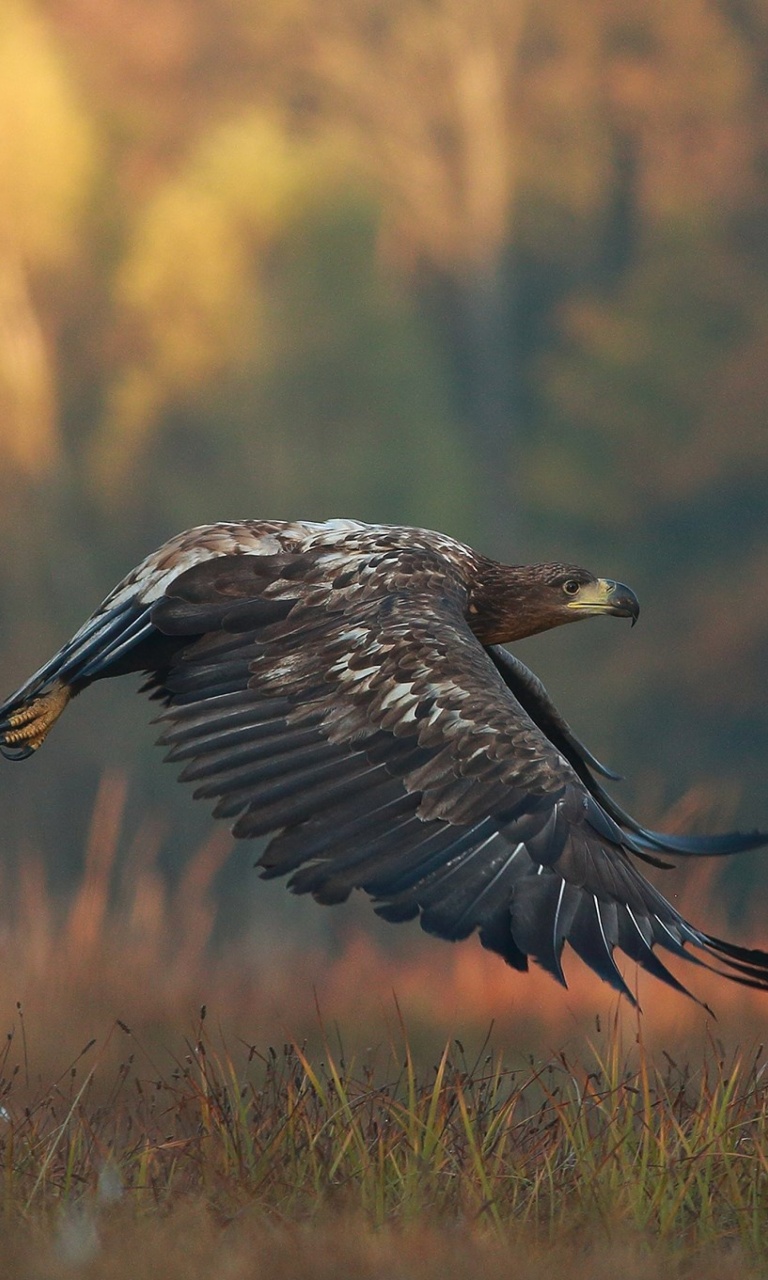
31	725
25	715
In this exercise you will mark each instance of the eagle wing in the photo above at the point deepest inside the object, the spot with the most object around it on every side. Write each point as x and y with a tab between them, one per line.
343	707
532	695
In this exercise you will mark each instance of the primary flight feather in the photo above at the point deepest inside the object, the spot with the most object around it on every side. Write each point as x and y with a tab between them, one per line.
340	688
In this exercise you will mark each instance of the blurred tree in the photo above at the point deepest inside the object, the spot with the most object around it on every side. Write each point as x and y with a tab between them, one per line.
428	92
649	394
251	281
46	160
499	267
188	288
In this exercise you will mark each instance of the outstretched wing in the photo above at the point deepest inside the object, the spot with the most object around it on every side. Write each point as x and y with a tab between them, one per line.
533	697
344	707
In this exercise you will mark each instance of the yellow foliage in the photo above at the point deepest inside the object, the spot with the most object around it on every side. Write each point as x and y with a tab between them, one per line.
189	273
189	284
46	153
46	139
181	281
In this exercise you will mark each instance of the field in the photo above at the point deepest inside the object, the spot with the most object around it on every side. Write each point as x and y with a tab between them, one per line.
422	1112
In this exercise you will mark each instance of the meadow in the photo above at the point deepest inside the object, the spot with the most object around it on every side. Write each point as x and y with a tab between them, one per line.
413	1112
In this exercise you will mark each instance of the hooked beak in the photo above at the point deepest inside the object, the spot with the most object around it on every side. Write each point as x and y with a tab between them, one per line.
607	596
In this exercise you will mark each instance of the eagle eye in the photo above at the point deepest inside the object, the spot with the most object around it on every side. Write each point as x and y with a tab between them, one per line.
571	587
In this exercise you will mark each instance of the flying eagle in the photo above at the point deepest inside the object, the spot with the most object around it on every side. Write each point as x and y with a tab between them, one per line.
340	688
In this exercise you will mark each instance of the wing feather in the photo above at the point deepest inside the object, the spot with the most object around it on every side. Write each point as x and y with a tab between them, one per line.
534	698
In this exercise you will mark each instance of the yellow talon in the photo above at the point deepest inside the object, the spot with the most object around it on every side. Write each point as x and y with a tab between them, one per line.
31	724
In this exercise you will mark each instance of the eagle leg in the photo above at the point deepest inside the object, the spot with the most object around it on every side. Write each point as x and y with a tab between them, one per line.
30	725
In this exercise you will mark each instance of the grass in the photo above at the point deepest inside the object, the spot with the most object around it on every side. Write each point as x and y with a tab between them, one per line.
288	1134
606	1156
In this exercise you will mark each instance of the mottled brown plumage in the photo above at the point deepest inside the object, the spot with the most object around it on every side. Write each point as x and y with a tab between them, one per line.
340	689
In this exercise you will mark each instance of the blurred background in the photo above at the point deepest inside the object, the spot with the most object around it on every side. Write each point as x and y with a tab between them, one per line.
492	266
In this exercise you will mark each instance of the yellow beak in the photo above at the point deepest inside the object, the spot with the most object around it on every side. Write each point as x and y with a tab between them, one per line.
607	596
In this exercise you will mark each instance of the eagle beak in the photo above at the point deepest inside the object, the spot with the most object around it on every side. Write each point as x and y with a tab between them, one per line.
607	596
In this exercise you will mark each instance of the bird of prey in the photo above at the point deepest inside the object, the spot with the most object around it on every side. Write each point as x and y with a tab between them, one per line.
340	689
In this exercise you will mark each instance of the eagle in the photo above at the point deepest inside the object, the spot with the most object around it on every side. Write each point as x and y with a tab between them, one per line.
341	690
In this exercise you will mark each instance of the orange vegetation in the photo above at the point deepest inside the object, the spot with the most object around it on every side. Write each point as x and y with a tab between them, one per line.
128	947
